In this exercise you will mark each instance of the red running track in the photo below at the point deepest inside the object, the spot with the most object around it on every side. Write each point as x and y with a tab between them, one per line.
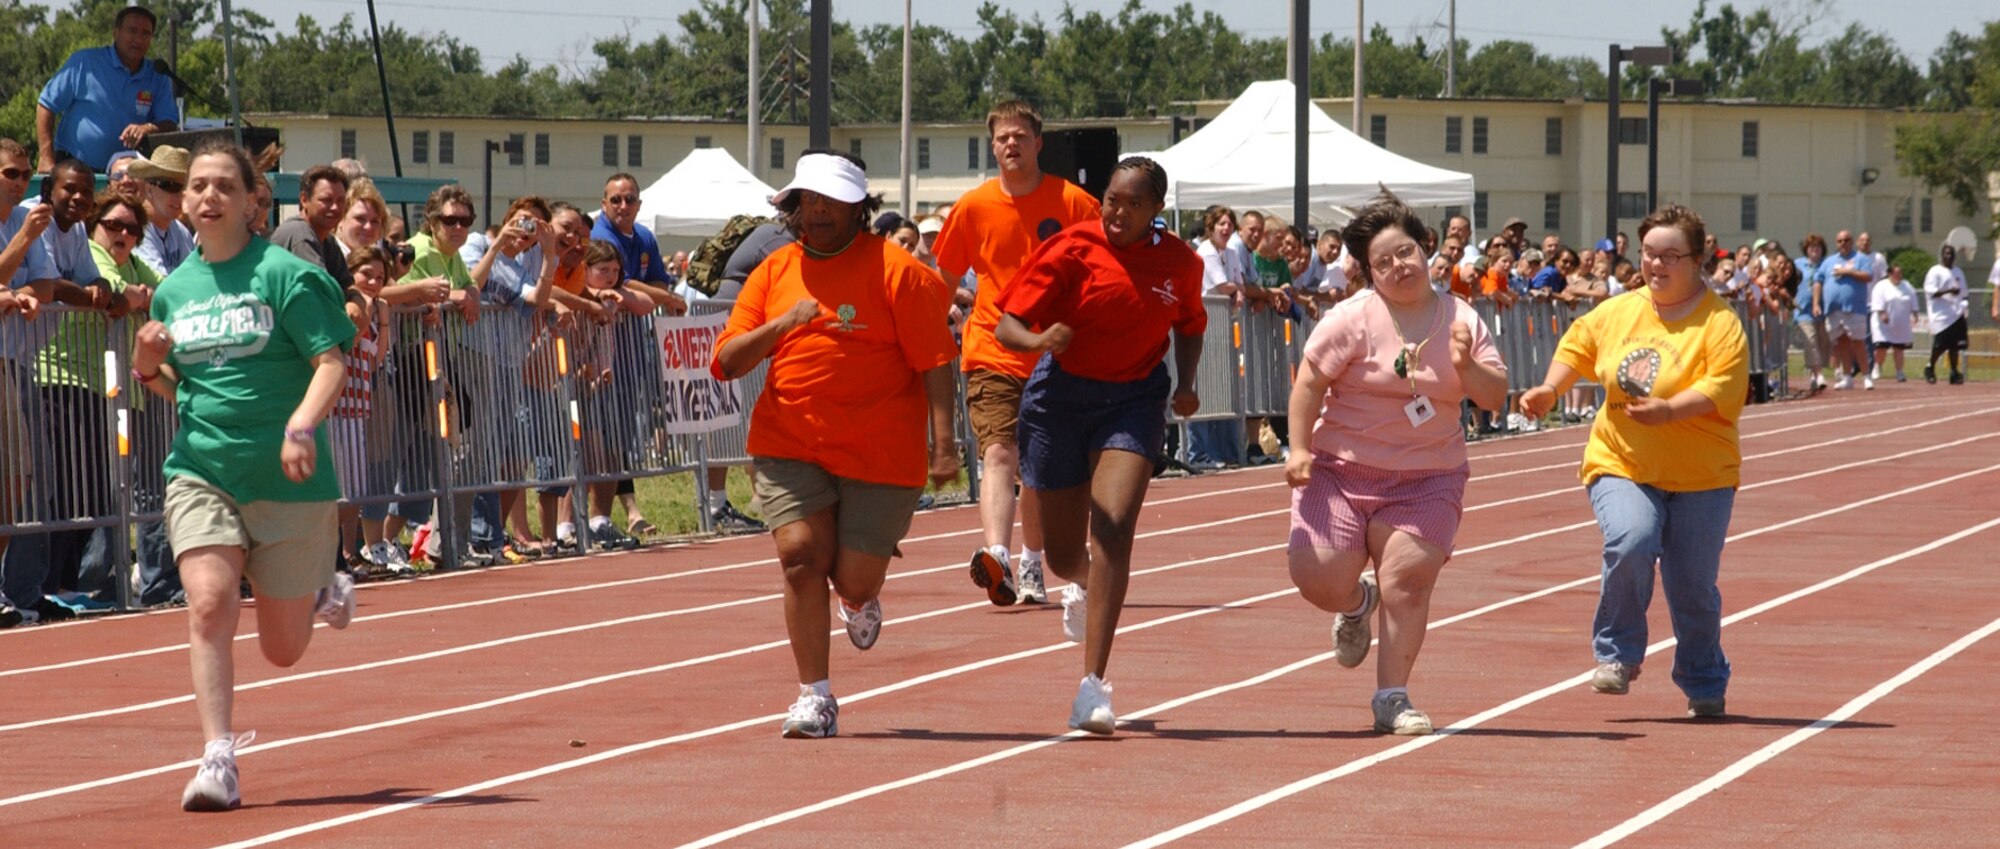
634	699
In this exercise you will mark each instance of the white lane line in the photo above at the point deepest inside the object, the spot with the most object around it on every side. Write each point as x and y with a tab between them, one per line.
1787	410
1026	748
742	724
1310	782
464	605
1755	759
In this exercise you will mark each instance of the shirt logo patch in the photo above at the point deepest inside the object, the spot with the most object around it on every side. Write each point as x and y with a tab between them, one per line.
1637	372
1049	227
1166	292
144	103
845	315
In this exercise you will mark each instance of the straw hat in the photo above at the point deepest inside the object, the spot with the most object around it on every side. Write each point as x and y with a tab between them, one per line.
167	161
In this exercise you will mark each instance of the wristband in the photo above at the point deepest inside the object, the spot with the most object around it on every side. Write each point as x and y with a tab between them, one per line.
304	435
145	378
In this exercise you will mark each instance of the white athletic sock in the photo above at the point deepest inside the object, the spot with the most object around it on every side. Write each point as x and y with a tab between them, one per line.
823	687
598	523
565	530
1034	554
1364	604
1386	692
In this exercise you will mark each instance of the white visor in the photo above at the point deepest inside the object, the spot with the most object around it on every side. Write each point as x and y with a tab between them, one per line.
828	175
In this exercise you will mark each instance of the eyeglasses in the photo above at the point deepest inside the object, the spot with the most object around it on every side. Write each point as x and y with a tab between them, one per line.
165	185
15	173
1667	259
455	220
1408	254
119	226
621	200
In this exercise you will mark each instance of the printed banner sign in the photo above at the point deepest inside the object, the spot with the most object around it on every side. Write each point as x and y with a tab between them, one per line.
696	401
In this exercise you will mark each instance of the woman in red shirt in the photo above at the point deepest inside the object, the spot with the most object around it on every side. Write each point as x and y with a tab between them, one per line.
1093	414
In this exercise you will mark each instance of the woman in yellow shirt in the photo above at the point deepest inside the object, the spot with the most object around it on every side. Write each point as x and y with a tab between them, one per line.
1663	460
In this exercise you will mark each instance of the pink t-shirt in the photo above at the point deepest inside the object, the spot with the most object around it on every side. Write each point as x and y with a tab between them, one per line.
1364	421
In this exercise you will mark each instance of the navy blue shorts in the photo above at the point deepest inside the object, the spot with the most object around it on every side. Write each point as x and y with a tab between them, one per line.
1065	418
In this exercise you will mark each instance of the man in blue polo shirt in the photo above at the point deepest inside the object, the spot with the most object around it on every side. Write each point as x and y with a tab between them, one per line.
1844	279
109	97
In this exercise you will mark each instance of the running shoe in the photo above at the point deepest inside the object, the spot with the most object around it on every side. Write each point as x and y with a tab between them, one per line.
1091	711
1844	383
1868	382
863	625
1076	610
1031	590
1352	635
1395	715
1958	378
730	520
336	602
9	616
607	536
1705	708
477	555
1613	678
991	573
390	556
46	610
566	546
213	787
812	716
82	603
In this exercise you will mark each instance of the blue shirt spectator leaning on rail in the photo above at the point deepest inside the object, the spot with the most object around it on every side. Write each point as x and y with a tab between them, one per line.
109	98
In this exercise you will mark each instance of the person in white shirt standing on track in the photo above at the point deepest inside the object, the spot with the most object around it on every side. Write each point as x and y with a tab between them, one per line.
1944	291
1893	306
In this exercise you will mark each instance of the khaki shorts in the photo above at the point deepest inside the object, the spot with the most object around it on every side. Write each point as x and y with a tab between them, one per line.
872	517
993	406
290	545
1847	325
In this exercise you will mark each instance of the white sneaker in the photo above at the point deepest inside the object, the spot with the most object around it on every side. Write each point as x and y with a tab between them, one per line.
1395	715
863	625
812	716
391	556
1030	582
1844	383
1075	611
214	787
1353	634
1874	374
1092	709
336	602
1868	382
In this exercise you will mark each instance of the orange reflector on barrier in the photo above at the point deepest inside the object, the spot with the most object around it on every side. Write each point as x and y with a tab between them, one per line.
124	434
575	422
112	384
1236	334
431	358
444	422
1288	333
562	356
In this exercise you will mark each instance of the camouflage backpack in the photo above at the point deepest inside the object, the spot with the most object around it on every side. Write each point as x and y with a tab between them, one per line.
705	265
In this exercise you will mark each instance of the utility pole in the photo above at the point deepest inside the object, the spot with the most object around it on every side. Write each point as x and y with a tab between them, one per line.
909	203
1360	70
1301	103
1451	50
752	158
821	132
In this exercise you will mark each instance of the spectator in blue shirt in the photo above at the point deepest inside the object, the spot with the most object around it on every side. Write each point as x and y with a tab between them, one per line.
110	98
1844	278
1545	280
1811	310
638	250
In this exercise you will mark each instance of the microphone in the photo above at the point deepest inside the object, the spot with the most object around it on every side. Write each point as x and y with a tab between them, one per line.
181	88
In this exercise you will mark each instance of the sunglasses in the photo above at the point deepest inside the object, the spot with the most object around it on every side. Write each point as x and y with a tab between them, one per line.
455	220
622	200
165	185
119	227
15	173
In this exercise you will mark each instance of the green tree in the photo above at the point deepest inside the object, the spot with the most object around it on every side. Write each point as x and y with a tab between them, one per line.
1958	151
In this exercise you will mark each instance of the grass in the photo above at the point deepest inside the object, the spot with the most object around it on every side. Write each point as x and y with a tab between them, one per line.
668	501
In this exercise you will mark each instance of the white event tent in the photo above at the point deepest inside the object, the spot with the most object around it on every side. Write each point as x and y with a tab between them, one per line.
699	195
1244	158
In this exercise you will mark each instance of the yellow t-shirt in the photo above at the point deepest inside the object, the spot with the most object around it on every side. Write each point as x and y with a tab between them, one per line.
1632	353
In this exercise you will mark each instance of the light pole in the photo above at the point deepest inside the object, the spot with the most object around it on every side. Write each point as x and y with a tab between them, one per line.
1644	57
1654	88
510	146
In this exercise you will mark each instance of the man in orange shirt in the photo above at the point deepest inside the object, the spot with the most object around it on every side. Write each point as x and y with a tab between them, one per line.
860	353
992	231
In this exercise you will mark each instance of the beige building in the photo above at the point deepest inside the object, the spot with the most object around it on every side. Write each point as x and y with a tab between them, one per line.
1751	170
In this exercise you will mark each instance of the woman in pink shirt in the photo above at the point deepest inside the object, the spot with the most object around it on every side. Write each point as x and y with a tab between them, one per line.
1380	476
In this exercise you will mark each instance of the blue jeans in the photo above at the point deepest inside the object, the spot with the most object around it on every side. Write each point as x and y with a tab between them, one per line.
1216	442
1683	532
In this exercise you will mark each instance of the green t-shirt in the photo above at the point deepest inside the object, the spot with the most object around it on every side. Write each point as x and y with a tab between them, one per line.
431	262
245	332
74	356
1271	273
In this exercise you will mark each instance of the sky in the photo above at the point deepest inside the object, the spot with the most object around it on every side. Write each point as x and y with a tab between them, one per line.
561	34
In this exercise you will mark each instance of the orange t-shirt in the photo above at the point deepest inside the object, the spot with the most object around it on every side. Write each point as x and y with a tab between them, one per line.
845	392
570	279
993	233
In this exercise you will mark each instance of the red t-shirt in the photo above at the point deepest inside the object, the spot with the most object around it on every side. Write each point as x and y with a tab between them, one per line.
1119	301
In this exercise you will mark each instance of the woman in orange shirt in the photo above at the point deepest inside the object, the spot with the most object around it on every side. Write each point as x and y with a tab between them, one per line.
855	329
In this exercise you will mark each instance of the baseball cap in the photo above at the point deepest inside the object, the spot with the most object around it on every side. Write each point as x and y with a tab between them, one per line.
826	174
1606	245
1532	255
1759	244
1513	223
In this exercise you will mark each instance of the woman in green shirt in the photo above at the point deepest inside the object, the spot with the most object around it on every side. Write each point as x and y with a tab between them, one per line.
246	340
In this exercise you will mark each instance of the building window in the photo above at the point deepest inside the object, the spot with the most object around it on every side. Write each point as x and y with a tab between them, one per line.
1552	211
923	154
1479	207
420	147
777	153
1902	224
1632	131
1378	130
1924	215
1479	140
610	151
703	142
991	163
971	154
1750	139
1748	224
541	148
447	147
1632	205
518	143
347	144
1454	134
1552	136
635	151
1451	212
854	148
